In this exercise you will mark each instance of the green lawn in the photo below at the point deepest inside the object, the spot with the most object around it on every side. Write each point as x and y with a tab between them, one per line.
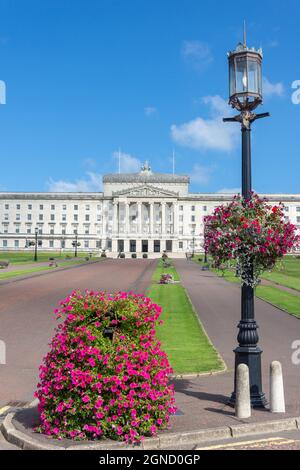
27	271
286	273
21	257
284	300
184	340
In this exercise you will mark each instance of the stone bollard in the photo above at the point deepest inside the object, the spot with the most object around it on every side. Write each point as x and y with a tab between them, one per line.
242	402
277	403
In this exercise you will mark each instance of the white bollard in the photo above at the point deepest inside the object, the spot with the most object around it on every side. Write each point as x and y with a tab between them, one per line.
242	401
277	403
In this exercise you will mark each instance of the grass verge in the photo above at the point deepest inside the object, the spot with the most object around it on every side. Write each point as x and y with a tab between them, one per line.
21	257
182	337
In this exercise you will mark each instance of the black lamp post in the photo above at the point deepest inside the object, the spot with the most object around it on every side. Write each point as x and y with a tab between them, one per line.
76	243
245	84
36	231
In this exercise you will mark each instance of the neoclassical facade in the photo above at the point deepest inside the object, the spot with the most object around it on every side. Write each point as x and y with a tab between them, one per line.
143	212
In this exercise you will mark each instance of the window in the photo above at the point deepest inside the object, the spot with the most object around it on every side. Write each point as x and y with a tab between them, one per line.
28	230
29	207
193	208
181	218
286	208
98	243
87	217
132	246
51	231
5	230
180	245
52	207
86	231
41	207
4	243
41	217
17	228
181	208
51	244
86	243
193	218
204	208
298	220
98	207
76	217
63	231
5	216
64	217
156	246
98	218
297	209
16	243
87	207
28	216
18	207
64	207
52	217
18	217
6	207
62	243
75	207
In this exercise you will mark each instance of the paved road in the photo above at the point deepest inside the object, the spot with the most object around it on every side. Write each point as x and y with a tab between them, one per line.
27	321
218	305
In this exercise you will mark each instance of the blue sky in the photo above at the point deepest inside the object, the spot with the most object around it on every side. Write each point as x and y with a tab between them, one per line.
85	78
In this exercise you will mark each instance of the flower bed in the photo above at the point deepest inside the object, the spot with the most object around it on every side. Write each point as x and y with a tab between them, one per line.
166	279
91	386
249	234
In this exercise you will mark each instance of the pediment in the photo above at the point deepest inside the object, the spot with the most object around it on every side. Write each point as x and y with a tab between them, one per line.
145	190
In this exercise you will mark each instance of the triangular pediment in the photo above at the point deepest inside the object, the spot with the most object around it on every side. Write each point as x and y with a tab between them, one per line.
145	190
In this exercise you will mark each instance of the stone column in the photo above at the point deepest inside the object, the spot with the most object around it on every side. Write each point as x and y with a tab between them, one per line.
127	221
151	219
175	219
139	218
163	218
115	219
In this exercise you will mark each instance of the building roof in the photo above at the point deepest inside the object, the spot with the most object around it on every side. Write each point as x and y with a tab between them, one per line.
145	176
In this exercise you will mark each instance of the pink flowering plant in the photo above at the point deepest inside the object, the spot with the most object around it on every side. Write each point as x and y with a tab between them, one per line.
249	234
105	374
166	279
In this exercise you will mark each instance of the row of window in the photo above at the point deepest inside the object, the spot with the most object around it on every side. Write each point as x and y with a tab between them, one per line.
17	244
52	207
52	217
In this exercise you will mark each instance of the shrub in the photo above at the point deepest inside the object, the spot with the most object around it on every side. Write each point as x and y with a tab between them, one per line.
91	386
103	254
122	255
145	255
250	232
133	255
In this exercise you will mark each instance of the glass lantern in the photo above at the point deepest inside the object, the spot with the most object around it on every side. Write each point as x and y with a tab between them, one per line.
245	78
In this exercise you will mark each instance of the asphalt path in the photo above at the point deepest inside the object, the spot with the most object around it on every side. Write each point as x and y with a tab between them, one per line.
27	321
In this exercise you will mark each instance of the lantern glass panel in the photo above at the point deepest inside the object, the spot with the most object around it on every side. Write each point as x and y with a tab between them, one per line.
232	78
241	75
254	79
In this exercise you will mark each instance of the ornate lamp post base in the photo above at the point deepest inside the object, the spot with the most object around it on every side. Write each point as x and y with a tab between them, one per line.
251	356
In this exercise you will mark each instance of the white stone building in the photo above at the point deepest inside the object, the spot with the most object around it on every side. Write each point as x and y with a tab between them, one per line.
138	213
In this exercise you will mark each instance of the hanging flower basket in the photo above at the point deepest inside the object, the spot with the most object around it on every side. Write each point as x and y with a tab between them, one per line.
249	235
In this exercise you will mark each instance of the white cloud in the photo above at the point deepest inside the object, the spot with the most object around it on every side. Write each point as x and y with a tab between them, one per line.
129	164
92	183
197	53
272	89
229	191
201	174
208	134
150	110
